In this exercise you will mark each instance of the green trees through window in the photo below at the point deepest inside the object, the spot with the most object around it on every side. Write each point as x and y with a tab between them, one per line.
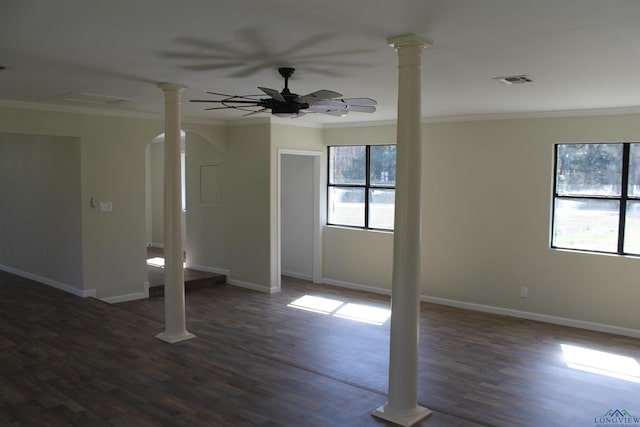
597	198
361	186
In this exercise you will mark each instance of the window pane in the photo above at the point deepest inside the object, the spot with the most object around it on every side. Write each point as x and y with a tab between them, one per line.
593	169
346	206
632	229
586	224
634	171
347	165
383	165
381	208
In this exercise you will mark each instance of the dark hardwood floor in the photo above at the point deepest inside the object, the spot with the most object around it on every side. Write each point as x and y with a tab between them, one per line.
256	361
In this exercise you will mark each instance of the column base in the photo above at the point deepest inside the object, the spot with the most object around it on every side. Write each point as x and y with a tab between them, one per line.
404	419
174	338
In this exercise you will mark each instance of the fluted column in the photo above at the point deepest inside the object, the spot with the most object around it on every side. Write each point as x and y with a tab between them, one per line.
402	407
174	301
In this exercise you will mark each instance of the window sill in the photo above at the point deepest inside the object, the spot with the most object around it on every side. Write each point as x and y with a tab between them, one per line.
587	252
346	227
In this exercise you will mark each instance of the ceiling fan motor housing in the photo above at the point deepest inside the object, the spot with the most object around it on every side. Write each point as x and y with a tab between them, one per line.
288	107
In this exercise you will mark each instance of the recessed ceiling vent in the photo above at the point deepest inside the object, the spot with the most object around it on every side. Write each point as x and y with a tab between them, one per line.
514	80
92	98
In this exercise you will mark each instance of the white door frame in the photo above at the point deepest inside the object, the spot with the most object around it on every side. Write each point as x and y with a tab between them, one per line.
318	212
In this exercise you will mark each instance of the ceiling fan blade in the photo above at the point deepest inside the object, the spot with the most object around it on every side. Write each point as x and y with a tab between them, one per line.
273	94
327	106
217	108
359	101
362	108
336	113
319	95
227	101
254	112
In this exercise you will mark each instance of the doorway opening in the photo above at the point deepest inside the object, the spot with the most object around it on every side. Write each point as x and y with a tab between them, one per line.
154	204
299	215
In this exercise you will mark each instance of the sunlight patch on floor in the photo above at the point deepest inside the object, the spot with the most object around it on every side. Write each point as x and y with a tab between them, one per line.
156	262
327	306
316	304
364	313
602	363
159	262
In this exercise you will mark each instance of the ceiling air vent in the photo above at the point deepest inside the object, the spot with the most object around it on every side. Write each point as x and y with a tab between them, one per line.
514	80
92	98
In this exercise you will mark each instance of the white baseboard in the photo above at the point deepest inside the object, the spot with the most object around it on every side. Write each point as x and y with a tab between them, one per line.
126	297
50	282
129	297
581	324
207	269
252	286
295	275
155	245
357	286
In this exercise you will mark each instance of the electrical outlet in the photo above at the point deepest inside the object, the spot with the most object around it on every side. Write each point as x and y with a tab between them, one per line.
524	292
106	206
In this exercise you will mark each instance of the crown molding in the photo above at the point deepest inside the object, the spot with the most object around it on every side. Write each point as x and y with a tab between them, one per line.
104	112
7	103
595	112
78	110
360	124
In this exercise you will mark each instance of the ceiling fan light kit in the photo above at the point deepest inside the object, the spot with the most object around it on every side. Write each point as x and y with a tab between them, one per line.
286	104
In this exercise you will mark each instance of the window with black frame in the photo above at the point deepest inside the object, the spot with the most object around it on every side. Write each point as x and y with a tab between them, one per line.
597	198
361	186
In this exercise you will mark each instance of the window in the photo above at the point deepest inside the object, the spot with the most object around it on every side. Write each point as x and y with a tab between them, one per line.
361	186
597	198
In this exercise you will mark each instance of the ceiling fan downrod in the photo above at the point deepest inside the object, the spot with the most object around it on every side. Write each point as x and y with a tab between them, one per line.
286	72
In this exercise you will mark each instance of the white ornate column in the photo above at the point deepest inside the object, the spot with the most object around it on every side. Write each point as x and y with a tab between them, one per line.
402	407
174	301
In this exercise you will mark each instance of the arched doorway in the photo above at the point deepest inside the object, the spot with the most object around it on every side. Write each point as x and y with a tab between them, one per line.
154	205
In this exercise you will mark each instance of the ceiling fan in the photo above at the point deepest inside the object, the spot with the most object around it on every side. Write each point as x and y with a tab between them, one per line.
287	104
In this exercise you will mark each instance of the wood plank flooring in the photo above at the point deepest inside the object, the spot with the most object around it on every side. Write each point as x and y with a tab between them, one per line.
69	361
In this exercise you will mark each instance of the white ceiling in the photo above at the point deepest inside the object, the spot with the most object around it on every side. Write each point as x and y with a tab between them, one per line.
582	54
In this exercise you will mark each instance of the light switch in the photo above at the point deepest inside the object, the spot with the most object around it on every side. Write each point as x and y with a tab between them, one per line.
106	206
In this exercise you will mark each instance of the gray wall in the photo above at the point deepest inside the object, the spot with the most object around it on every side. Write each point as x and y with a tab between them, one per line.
112	169
207	242
247	180
40	211
486	222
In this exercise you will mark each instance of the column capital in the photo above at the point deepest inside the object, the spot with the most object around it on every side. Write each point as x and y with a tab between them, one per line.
171	86
405	40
